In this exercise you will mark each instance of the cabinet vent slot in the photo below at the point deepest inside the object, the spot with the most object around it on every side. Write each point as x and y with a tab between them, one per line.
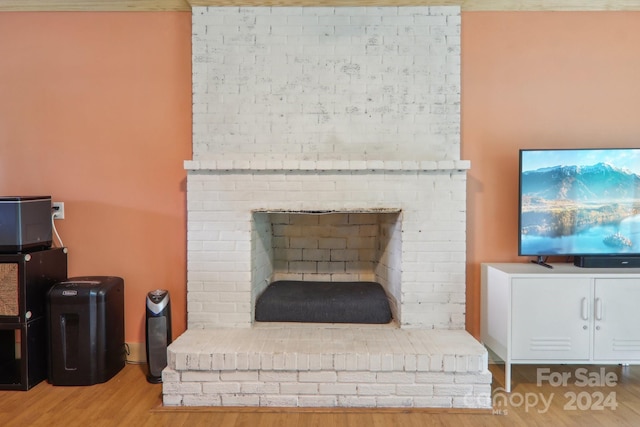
626	345
550	344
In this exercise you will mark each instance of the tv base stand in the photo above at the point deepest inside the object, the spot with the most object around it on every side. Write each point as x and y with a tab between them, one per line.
540	261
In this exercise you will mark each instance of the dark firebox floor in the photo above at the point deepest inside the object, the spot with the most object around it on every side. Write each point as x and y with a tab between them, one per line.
323	302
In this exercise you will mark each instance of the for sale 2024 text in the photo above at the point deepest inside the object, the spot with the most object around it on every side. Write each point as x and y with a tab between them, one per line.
596	396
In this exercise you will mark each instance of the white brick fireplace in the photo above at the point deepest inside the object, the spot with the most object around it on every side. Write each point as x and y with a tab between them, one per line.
305	118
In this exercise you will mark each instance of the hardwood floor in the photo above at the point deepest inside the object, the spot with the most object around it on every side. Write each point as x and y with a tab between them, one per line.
129	400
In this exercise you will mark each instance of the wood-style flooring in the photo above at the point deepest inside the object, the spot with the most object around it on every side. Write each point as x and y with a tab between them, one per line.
593	396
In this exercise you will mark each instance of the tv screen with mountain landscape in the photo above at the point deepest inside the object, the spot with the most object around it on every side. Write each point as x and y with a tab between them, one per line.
579	202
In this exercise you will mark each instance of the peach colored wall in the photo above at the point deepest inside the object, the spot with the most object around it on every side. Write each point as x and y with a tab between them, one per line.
532	80
95	110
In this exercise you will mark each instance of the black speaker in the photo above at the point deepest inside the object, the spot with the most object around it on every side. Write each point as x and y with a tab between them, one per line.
158	333
607	261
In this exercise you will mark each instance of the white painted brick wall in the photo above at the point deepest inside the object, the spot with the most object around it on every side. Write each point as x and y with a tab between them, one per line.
319	83
428	284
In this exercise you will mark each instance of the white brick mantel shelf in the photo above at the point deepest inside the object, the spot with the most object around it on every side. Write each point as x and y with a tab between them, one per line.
327	165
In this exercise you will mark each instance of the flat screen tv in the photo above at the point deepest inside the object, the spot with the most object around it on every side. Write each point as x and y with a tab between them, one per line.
580	203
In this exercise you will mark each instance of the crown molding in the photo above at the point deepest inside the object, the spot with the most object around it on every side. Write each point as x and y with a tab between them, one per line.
94	6
185	5
550	5
465	5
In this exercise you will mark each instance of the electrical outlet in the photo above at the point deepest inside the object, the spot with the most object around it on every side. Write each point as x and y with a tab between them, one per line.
58	210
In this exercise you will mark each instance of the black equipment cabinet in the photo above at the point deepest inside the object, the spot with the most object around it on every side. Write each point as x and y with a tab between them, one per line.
86	321
25	279
23	351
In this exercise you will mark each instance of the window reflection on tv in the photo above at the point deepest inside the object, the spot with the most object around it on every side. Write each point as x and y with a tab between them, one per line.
579	202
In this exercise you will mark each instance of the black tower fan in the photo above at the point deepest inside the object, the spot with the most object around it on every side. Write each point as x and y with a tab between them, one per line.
158	333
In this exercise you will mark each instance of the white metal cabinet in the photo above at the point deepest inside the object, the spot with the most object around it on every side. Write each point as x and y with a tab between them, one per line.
550	320
531	314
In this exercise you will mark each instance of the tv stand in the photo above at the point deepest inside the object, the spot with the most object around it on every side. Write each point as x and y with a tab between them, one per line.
540	261
567	315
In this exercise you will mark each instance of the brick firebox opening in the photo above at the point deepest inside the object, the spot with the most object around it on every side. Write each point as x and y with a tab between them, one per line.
332	246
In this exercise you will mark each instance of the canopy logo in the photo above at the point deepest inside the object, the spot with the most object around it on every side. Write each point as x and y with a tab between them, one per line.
592	398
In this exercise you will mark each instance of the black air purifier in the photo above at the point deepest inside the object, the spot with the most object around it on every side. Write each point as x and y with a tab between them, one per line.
158	333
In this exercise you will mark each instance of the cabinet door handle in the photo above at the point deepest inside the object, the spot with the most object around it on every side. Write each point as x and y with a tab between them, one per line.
585	309
598	309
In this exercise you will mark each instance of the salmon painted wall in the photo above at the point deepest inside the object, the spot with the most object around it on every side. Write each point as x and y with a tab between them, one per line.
95	110
537	80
